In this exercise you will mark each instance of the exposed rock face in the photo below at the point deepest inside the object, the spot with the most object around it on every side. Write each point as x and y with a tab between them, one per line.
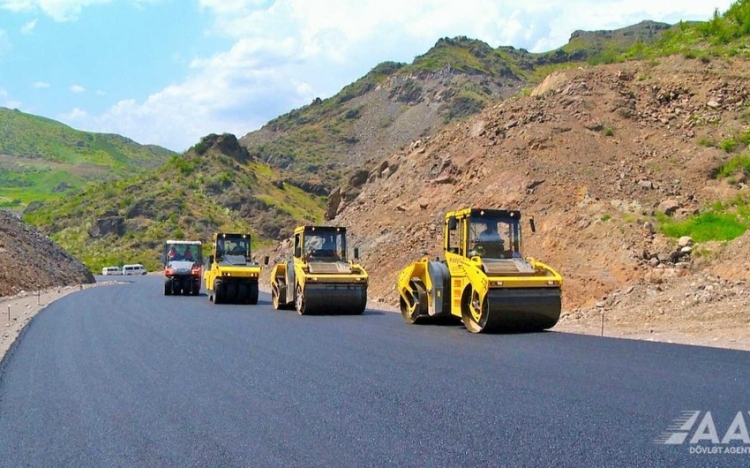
142	208
340	197
30	261
338	200
109	225
226	144
309	185
359	178
334	201
669	207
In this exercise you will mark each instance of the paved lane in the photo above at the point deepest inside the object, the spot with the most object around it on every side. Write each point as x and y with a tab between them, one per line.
122	375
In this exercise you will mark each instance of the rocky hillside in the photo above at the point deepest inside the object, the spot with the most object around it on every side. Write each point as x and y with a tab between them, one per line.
30	261
390	106
397	103
216	185
615	163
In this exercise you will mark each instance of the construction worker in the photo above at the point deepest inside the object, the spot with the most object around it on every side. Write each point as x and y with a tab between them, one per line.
490	233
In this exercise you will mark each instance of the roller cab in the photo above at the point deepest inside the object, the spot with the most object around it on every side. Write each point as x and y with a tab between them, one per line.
484	280
320	278
231	275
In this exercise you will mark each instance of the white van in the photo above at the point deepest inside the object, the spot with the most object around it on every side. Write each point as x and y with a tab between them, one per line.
111	271
136	269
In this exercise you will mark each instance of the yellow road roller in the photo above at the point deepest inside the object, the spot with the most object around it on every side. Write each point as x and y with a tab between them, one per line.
484	280
319	279
231	276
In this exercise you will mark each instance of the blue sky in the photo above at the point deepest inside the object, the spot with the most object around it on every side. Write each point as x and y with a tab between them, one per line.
168	72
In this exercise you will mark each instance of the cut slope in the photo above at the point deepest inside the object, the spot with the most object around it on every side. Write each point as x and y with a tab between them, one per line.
29	261
595	158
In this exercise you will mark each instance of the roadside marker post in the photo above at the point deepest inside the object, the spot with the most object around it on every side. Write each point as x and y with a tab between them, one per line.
602	322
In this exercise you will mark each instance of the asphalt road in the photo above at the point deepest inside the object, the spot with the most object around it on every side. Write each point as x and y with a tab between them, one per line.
123	376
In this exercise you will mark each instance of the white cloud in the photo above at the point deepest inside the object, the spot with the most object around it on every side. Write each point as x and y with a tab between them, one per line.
215	99
336	26
77	89
74	115
28	28
40	84
287	52
59	10
551	27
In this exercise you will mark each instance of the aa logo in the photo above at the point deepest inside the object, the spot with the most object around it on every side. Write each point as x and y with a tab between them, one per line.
699	428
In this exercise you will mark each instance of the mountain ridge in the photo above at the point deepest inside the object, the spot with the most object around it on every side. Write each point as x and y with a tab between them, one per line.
42	159
453	80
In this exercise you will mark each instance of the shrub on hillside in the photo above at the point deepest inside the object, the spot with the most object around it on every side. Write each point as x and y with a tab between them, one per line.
708	226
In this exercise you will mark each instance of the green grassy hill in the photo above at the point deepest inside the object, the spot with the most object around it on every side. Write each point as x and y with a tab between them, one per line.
216	185
41	159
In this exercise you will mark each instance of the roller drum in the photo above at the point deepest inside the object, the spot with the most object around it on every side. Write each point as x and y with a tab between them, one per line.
521	309
335	298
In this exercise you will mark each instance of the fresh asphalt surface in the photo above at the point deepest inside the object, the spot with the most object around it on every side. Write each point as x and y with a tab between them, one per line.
123	376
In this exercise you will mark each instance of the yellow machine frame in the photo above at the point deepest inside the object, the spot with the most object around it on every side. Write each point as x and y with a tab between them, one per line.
319	285
231	279
488	295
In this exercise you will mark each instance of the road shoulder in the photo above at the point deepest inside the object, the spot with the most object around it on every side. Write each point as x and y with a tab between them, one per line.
17	311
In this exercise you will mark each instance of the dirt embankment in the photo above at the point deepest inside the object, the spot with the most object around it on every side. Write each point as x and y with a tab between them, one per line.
594	155
30	261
